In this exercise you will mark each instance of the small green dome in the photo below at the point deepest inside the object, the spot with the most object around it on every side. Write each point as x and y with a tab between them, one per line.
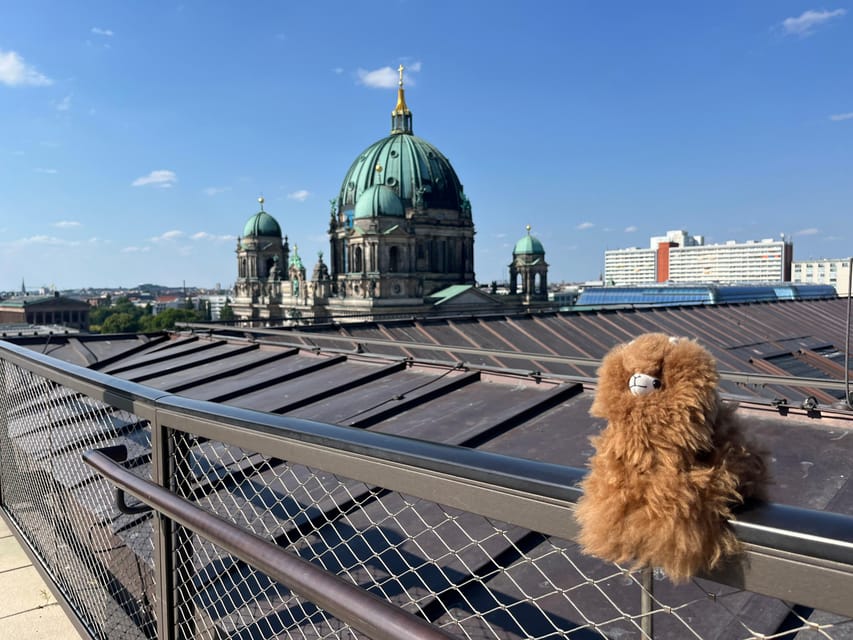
261	224
528	245
378	200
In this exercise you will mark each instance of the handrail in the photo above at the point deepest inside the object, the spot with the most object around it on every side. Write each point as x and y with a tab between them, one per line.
818	534
536	495
362	610
794	529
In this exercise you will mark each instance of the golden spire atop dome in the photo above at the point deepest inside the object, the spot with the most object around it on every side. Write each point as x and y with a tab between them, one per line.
401	117
401	97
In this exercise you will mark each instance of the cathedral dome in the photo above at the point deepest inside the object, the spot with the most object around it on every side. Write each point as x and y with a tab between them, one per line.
261	224
411	166
378	200
419	174
528	245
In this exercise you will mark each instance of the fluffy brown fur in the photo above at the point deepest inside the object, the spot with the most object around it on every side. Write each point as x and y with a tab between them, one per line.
669	466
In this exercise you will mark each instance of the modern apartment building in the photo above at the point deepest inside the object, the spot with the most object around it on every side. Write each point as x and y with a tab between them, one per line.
679	257
835	272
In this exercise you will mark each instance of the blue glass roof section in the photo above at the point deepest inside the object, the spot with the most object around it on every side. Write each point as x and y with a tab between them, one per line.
674	295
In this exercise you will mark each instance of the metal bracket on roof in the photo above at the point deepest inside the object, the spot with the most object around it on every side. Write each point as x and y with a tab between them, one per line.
810	403
781	404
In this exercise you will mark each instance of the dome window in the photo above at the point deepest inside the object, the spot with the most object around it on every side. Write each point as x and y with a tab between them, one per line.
393	153
391	181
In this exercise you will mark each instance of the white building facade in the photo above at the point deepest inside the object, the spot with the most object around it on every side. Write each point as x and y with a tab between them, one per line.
835	272
630	266
679	257
755	261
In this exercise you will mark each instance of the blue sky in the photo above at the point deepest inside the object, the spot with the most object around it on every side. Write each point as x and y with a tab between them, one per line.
136	137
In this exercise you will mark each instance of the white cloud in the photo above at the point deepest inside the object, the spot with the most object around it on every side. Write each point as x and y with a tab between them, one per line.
838	117
214	191
161	178
66	224
103	32
338	70
583	226
47	240
384	78
136	249
40	170
204	235
630	229
174	234
807	232
15	72
301	195
805	24
387	77
64	104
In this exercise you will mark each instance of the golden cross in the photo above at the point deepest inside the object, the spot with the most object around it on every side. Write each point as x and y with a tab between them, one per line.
400	69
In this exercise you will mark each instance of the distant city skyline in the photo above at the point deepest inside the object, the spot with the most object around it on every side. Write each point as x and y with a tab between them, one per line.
137	138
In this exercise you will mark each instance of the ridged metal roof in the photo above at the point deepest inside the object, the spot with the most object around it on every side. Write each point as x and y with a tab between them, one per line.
519	385
515	385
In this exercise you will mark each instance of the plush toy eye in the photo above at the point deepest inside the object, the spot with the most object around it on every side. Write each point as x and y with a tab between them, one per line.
640	384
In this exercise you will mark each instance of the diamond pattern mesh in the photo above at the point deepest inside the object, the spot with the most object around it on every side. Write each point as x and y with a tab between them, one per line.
100	559
472	576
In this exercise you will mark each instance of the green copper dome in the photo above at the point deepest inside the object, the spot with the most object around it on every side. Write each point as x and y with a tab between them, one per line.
261	224
528	245
417	171
378	200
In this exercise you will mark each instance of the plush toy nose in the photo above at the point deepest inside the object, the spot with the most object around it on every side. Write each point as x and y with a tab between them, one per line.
640	384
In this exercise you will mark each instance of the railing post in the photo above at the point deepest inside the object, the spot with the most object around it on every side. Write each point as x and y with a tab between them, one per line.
647	584
170	466
163	535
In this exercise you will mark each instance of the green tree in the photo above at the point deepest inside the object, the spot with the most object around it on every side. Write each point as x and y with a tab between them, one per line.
120	323
226	312
167	319
98	315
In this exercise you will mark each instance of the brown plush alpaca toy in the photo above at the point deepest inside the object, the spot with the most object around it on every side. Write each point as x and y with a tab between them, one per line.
671	463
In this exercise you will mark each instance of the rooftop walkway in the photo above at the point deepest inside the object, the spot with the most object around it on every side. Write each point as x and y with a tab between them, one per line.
28	609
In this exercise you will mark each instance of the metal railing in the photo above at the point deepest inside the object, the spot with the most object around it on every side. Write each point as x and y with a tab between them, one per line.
252	525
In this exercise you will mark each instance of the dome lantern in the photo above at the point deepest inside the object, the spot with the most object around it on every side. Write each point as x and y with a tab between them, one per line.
401	117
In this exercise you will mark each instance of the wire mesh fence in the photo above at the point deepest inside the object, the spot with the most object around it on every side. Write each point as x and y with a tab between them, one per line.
99	559
475	577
